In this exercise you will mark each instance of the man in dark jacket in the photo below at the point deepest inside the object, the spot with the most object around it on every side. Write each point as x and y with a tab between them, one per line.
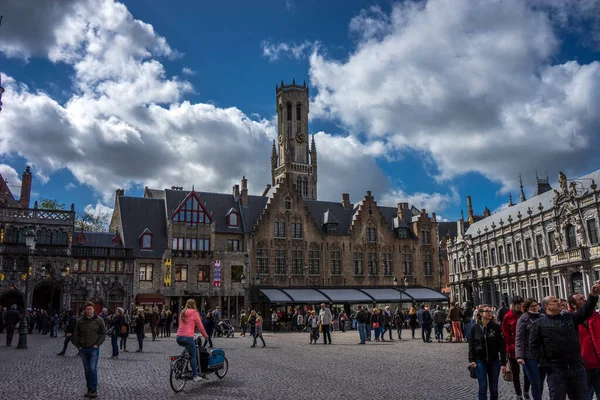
69	330
502	312
554	343
426	325
362	318
12	319
89	334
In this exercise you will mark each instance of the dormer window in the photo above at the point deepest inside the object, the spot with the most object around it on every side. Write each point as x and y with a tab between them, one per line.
233	218
332	229
146	240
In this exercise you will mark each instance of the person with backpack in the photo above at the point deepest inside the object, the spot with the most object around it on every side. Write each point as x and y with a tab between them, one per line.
439	319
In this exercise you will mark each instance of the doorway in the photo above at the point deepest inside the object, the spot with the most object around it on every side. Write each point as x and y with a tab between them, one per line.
47	296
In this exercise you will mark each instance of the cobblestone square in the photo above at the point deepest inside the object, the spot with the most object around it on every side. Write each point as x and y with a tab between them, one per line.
287	368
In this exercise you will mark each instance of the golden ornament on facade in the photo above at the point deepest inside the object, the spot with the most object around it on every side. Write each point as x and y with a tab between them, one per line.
23	277
1	276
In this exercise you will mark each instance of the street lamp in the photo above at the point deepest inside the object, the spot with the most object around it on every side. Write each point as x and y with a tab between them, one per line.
30	240
257	279
405	283
395	280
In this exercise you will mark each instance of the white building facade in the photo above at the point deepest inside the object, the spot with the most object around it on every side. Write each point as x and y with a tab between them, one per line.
547	245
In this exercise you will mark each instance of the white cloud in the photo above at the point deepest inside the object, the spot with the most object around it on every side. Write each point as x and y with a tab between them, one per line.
292	50
469	84
98	210
432	202
12	179
188	71
70	186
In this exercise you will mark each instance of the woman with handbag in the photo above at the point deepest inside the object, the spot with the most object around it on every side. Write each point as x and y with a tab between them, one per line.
124	333
116	323
375	323
313	321
487	352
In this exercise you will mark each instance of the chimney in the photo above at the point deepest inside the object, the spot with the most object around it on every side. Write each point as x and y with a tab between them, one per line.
346	200
267	188
236	192
244	191
26	188
400	213
368	193
433	216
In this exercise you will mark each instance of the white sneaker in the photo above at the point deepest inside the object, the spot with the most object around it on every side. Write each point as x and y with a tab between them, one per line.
197	379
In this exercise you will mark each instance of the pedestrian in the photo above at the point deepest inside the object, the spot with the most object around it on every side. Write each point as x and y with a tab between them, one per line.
554	344
162	324
217	317
259	330
169	323
116	323
69	330
368	327
534	373
209	326
362	319
487	352
456	320
509	330
189	321
124	332
154	322
313	322
398	322
502	311
300	321
243	323
388	319
420	319
2	319
375	323
589	338
412	320
273	321
55	325
468	322
325	318
140	322
12	320
439	319
426	325
89	334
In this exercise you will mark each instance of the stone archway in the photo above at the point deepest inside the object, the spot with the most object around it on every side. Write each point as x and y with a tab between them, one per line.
10	297
47	296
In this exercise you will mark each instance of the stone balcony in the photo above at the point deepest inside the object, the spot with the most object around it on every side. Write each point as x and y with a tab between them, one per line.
36	216
568	256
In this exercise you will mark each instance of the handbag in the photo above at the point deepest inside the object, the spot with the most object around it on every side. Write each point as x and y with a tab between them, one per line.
375	325
111	331
123	329
508	374
472	371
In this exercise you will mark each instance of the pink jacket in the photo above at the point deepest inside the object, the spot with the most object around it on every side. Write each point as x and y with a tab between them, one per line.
192	320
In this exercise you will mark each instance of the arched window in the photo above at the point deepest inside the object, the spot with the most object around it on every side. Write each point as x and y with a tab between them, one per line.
299	185
305	190
288	203
289	111
299	111
571	237
147	241
234	219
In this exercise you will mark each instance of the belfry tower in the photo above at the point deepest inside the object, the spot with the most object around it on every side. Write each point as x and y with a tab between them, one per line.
291	153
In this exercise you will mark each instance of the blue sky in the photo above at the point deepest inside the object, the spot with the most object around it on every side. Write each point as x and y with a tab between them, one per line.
425	102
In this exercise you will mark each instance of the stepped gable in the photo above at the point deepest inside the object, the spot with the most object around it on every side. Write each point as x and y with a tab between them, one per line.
582	186
138	214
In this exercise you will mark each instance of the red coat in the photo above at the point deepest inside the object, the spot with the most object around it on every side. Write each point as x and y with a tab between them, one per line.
509	330
589	338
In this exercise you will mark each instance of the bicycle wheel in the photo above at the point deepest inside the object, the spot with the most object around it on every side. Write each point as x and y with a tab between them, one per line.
223	371
176	380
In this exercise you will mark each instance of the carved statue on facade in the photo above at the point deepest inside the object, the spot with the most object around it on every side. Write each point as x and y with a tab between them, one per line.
558	240
562	181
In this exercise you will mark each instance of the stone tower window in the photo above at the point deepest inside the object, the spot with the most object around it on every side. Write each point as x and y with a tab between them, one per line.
298	111
289	111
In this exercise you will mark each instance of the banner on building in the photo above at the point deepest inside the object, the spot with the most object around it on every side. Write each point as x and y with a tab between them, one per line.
167	278
217	277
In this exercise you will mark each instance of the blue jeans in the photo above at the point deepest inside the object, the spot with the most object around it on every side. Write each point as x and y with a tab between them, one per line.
536	378
140	338
439	330
488	374
362	332
90	366
468	326
593	379
114	341
368	330
377	333
565	381
190	345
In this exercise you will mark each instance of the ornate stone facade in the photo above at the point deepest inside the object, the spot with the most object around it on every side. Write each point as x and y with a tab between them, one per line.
547	245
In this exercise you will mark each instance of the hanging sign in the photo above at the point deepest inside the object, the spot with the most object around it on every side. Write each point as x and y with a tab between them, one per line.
167	277
217	276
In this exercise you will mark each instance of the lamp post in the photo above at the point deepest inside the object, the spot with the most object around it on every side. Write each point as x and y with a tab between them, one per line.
30	240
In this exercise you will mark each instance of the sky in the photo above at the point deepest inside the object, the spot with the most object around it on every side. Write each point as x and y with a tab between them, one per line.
424	102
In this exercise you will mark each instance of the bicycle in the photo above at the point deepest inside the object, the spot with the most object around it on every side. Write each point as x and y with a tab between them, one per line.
181	367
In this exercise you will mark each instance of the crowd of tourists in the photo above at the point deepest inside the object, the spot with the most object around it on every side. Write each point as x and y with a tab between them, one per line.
552	342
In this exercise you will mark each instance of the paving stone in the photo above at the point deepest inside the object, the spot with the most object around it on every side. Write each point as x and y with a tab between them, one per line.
287	368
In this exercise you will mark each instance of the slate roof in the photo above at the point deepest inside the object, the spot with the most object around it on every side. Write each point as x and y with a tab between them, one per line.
450	227
218	205
546	199
138	214
336	210
96	239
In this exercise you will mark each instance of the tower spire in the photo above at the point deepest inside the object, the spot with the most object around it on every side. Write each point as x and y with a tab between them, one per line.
522	199
313	151
510	203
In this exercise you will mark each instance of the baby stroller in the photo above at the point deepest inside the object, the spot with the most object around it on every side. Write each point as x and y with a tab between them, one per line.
225	329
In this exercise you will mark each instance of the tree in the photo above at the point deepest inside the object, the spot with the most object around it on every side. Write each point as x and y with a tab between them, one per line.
87	220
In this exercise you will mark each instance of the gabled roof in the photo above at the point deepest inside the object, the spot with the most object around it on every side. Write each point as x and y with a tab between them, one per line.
96	239
546	199
218	205
146	231
189	195
329	218
232	210
336	211
138	214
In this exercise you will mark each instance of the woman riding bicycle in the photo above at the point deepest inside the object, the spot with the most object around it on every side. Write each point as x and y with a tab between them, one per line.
188	321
